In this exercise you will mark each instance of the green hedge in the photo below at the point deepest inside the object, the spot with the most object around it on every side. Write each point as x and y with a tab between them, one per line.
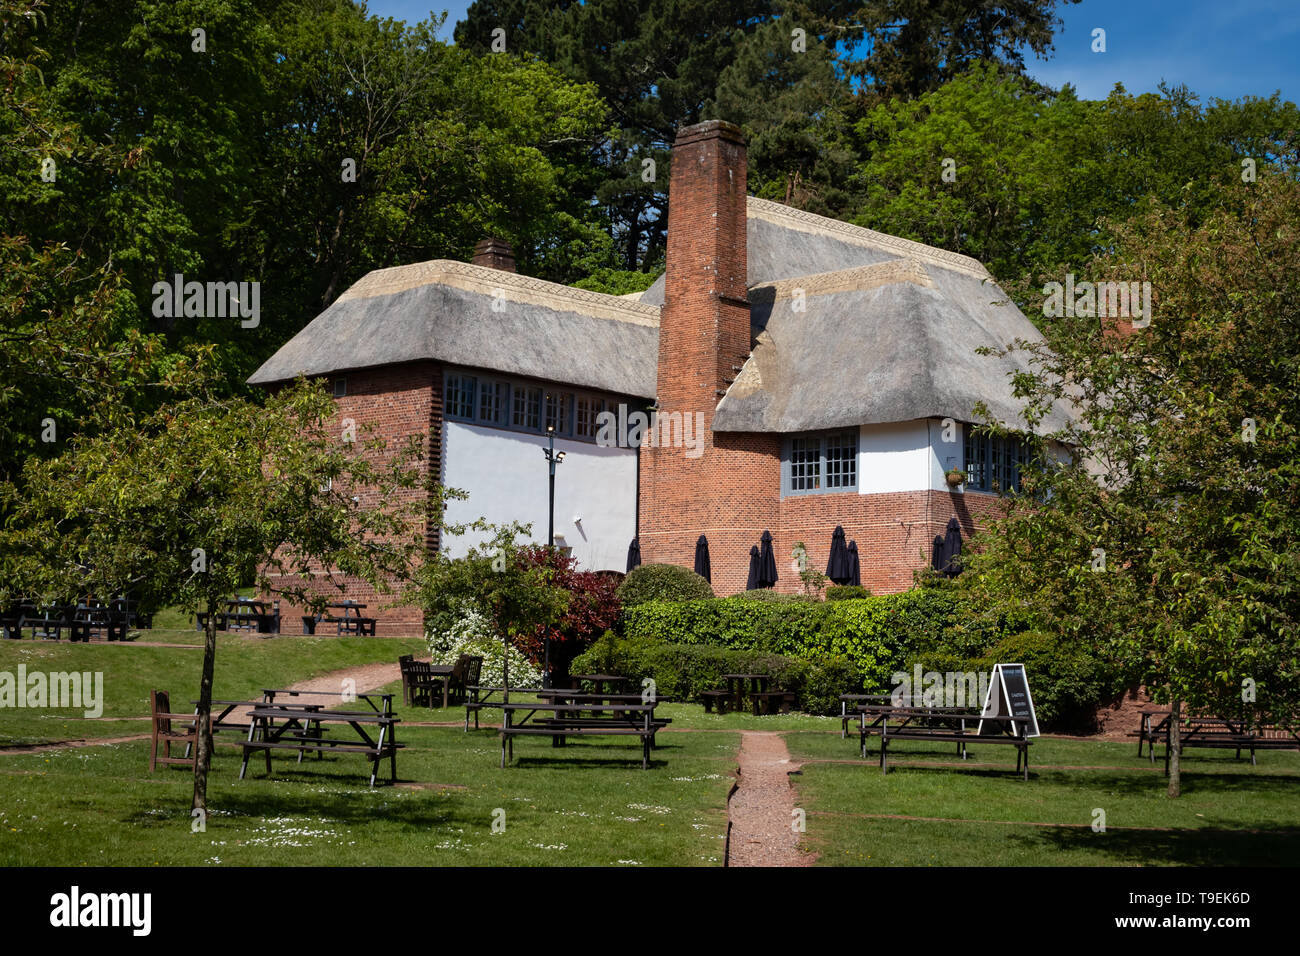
873	633
662	582
684	671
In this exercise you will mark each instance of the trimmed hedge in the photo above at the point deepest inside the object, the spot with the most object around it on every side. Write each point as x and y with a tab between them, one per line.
846	592
662	582
684	671
873	633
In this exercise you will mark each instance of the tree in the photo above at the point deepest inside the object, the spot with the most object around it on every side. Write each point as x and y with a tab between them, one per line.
186	504
1166	540
520	596
591	609
915	46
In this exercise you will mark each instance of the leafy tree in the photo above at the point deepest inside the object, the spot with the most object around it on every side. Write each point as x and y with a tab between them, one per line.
915	46
1025	180
187	504
1166	541
522	597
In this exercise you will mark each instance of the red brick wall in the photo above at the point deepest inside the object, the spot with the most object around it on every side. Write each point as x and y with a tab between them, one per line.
397	401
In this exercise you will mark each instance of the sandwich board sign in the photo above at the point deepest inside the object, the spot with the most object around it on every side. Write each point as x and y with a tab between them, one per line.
1008	696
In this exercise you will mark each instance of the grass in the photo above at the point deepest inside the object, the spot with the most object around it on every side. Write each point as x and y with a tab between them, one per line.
589	803
981	813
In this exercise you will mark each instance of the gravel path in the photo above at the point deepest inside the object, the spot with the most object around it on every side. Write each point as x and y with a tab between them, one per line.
761	810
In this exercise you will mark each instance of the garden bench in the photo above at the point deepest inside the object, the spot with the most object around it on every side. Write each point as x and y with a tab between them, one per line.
772	702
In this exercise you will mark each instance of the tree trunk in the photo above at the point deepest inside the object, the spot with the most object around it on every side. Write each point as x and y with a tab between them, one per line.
203	751
1175	747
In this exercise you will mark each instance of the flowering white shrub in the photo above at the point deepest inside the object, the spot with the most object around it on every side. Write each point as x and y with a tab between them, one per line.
473	634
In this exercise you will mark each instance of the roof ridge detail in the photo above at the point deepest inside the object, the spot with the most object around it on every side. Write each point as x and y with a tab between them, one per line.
854	279
907	248
511	285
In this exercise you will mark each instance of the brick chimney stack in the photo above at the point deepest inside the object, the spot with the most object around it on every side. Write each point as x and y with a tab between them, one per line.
729	489
704	328
495	254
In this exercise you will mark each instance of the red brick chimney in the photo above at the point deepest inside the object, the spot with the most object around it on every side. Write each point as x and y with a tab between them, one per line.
704	327
730	489
495	254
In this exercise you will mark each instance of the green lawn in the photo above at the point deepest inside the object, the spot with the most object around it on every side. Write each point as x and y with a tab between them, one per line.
589	803
981	813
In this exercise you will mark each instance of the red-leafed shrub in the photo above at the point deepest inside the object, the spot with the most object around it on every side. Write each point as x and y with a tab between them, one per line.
593	608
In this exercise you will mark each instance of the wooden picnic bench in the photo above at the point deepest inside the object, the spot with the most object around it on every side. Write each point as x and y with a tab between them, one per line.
953	725
849	704
1212	732
480	697
285	726
574	720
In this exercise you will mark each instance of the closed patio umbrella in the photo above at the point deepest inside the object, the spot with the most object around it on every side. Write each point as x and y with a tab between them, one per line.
702	566
633	554
751	583
837	568
766	562
855	567
936	553
952	548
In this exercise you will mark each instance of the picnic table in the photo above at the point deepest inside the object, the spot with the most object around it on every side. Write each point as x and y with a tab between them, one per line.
244	614
1226	733
955	725
761	698
577	720
482	697
296	726
350	621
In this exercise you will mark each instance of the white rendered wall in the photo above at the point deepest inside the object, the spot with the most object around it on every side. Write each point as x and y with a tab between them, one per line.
506	478
906	456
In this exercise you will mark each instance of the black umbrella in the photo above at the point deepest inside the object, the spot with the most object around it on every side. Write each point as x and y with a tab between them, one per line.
936	553
952	548
702	566
855	567
837	568
633	554
751	583
766	562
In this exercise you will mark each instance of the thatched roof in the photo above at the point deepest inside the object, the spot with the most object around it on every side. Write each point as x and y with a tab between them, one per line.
443	310
888	334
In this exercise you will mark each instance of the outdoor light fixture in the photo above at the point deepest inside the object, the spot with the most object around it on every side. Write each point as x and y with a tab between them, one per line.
552	459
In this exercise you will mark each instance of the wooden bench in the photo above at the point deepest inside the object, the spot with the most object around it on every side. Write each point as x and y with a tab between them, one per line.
479	697
301	724
944	725
568	721
1212	732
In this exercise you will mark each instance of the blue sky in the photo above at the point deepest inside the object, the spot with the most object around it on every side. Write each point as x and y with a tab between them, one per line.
1219	49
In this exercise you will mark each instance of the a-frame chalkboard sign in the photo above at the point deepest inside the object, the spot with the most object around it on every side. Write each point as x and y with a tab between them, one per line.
1008	696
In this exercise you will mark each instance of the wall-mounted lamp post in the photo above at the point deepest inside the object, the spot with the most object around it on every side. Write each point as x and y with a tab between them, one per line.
552	459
